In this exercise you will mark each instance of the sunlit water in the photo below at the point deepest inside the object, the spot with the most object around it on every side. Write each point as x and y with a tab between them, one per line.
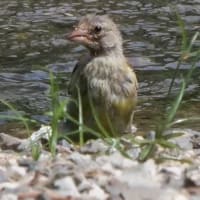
32	42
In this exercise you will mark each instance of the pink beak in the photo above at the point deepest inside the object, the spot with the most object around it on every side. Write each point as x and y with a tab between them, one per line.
79	35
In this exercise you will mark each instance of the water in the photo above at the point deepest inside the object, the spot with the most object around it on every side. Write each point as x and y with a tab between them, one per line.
32	42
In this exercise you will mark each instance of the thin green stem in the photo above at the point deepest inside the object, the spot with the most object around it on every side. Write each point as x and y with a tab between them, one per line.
174	76
80	108
96	117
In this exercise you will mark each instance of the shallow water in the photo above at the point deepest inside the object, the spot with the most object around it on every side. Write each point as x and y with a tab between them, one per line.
32	42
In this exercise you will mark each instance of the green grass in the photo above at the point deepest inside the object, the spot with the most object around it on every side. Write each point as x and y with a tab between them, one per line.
35	148
187	53
148	146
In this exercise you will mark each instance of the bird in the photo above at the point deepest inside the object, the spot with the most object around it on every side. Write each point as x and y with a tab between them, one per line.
102	79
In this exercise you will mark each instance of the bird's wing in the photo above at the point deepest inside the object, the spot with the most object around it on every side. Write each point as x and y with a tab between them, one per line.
77	74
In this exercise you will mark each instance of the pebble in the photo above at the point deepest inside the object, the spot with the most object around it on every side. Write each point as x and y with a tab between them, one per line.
94	173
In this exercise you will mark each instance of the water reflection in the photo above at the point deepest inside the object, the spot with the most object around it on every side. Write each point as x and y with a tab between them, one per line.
32	43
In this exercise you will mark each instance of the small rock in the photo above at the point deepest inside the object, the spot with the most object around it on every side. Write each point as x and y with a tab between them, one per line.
3	176
193	174
16	172
8	197
84	162
9	142
94	146
97	193
117	160
67	187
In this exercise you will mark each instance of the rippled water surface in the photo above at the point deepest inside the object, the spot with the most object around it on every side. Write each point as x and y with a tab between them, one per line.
32	42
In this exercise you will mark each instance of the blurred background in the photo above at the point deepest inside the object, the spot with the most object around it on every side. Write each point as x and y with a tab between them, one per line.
32	43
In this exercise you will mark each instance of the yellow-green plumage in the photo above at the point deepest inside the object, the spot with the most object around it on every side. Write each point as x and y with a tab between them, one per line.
105	79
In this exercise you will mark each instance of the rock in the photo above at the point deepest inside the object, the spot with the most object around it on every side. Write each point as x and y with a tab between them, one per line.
8	197
9	142
117	160
94	146
67	187
193	174
96	193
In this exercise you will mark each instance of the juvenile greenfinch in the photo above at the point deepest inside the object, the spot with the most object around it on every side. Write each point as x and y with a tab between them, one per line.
106	82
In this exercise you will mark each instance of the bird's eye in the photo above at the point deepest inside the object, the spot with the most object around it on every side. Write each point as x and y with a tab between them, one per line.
97	29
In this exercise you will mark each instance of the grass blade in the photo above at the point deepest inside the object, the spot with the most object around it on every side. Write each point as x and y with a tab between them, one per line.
96	117
18	115
166	144
80	109
176	104
192	42
184	41
147	151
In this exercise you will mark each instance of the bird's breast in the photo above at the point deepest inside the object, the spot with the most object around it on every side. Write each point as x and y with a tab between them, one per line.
110	80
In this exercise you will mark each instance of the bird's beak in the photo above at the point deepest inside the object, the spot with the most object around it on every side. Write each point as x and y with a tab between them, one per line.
79	35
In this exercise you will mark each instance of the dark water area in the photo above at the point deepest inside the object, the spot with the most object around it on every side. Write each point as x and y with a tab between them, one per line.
32	42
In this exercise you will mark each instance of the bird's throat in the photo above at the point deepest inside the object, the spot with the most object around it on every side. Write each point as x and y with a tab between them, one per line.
107	51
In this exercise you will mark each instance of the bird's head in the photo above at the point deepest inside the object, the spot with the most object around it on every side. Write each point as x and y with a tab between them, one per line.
98	33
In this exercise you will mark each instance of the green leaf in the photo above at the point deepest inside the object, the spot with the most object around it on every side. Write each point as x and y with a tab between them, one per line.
166	144
147	152
172	135
192	42
176	104
17	116
35	151
184	41
80	109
